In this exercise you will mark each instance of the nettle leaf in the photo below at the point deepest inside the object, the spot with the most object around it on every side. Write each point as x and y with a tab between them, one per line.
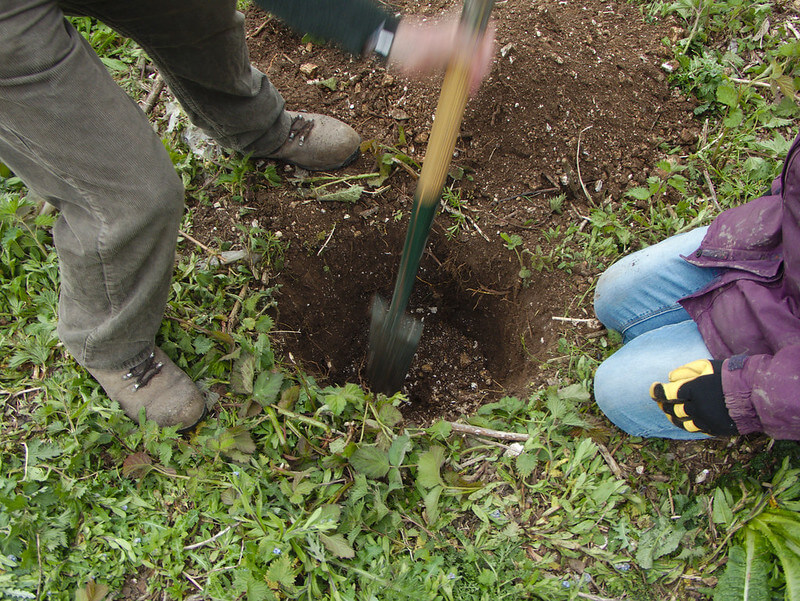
431	500
397	452
338	545
264	324
639	193
339	397
727	94
203	344
526	463
137	465
351	194
267	387
734	118
440	430
243	373
660	540
430	462
785	84
390	415
370	461
280	572
235	442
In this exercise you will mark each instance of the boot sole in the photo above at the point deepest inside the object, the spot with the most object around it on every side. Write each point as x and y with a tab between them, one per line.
345	163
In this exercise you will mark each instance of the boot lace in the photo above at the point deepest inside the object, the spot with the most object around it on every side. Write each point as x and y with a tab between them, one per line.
300	128
144	372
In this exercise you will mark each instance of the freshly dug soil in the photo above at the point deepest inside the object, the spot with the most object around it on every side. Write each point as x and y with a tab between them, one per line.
577	104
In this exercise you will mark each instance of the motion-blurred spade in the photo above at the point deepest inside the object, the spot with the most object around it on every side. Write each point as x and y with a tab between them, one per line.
394	336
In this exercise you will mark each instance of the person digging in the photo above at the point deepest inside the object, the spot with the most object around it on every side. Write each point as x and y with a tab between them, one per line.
79	142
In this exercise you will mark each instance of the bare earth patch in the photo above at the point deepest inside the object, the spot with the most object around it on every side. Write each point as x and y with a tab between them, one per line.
577	103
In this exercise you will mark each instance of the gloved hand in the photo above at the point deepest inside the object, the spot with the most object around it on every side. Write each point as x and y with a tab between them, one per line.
693	398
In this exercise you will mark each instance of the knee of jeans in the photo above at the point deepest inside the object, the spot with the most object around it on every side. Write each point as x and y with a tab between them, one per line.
608	291
611	391
603	385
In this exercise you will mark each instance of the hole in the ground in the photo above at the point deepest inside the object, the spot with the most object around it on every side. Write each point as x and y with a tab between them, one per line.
480	328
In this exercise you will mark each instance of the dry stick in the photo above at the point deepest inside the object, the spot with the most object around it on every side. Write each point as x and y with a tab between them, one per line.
152	97
210	251
452	211
595	597
712	189
333	229
610	461
231	321
259	30
578	165
12	395
193	581
467	429
519	437
577	320
760	84
693	32
793	30
208	540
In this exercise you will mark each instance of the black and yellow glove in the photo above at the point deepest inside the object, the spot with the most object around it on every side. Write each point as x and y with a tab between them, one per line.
693	398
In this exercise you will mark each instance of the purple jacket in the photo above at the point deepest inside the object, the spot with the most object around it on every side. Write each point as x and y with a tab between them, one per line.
750	315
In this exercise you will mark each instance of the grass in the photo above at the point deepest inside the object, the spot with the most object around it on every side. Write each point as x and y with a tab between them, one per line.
296	490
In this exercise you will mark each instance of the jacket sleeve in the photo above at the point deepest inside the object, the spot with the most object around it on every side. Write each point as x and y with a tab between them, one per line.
762	392
347	23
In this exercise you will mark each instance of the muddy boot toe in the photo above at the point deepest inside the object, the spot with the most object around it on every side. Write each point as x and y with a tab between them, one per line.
168	395
318	143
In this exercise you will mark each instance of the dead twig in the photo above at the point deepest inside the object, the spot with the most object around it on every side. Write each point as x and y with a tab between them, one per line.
594	597
208	540
260	28
578	165
578	320
231	321
476	431
152	97
13	395
466	217
193	581
209	250
711	189
333	229
528	193
610	461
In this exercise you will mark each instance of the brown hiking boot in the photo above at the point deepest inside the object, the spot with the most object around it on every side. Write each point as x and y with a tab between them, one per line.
167	394
318	143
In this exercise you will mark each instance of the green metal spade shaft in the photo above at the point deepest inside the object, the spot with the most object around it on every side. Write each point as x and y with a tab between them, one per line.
393	335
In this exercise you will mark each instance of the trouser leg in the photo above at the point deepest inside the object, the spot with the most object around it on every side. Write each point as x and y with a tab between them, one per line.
200	50
622	382
71	134
640	292
638	297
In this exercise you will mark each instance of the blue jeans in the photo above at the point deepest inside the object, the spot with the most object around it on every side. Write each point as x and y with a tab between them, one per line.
638	297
